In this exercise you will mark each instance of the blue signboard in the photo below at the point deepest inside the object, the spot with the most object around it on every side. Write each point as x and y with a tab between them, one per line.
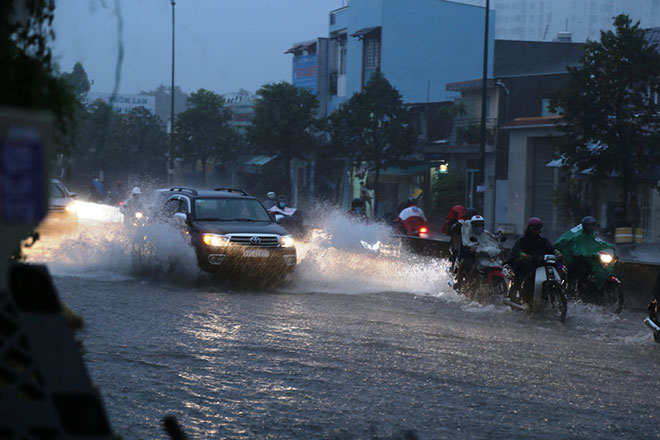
305	71
22	175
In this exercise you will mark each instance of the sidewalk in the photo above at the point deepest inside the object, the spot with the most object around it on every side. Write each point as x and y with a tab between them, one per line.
639	252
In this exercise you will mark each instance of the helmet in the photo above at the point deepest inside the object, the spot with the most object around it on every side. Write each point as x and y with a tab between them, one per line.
535	223
270	194
588	220
477	223
412	201
470	212
136	190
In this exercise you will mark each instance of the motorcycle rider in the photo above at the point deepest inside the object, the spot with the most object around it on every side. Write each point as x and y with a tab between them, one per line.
357	210
411	218
473	234
292	220
527	253
270	201
132	205
577	245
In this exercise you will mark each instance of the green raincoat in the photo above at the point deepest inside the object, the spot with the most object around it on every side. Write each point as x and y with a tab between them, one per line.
575	243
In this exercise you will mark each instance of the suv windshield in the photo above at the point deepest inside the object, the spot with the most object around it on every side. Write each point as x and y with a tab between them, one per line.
230	209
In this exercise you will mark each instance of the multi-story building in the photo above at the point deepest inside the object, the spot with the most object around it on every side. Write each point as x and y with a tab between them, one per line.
566	20
418	47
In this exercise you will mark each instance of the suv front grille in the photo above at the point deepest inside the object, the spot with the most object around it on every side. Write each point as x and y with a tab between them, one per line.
251	240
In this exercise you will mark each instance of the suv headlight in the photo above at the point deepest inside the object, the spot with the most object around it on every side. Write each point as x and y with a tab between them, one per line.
287	241
215	240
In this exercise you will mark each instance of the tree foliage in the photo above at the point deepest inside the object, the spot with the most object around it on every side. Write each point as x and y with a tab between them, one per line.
372	127
78	81
28	76
124	146
609	106
284	124
202	131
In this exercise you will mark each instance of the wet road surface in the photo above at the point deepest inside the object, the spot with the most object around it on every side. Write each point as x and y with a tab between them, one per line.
353	347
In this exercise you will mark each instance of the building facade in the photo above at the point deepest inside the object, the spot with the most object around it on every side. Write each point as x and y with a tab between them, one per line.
419	49
565	20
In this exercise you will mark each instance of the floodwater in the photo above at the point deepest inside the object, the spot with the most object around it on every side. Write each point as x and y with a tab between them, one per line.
356	345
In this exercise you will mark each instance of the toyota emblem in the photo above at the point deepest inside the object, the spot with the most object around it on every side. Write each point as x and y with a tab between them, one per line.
255	240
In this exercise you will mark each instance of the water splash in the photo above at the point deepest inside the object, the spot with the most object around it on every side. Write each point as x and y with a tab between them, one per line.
100	247
345	255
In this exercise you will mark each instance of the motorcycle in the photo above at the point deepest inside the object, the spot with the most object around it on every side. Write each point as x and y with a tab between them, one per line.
486	280
603	287
548	290
134	225
652	321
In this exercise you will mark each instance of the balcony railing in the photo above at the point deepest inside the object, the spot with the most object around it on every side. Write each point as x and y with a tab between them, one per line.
468	131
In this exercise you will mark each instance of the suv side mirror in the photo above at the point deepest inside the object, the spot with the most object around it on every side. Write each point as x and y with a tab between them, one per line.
278	217
180	218
73	195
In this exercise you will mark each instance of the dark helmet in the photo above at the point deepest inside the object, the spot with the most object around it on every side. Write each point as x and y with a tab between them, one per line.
588	220
535	223
357	203
470	212
412	201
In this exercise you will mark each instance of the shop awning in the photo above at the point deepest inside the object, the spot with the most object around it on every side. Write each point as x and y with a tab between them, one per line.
365	31
259	160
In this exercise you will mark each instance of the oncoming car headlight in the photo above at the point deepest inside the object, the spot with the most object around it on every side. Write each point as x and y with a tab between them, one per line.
215	240
287	241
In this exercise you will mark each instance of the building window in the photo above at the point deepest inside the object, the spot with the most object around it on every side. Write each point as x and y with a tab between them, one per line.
370	55
545	108
337	64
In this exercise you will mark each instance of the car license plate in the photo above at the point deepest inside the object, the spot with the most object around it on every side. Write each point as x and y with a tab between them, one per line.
261	253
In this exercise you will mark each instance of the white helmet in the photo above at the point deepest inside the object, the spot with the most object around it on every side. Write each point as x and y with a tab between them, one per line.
477	218
136	190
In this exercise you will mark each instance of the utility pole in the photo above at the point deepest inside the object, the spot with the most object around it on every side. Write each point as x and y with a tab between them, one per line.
484	97
170	166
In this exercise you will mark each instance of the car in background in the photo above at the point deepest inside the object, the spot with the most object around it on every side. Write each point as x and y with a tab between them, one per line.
230	230
62	214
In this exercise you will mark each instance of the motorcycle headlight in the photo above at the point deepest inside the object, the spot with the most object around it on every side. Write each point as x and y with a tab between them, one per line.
139	215
606	258
215	240
287	241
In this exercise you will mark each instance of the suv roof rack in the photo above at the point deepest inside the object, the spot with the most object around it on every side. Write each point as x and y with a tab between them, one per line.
184	189
233	191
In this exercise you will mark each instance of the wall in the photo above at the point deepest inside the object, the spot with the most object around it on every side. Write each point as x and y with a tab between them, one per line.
519	195
438	41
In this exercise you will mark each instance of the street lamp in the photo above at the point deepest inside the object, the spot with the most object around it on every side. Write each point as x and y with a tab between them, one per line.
484	97
170	168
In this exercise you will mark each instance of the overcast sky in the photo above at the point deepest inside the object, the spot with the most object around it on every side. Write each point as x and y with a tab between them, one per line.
221	45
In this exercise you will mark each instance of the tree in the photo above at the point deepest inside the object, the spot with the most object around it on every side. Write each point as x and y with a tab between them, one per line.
77	81
203	132
284	123
139	145
28	76
372	127
609	106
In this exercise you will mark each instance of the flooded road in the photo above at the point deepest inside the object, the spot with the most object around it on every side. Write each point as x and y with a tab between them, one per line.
354	346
